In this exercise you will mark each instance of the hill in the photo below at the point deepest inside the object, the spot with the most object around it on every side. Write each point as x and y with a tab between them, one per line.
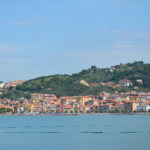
97	79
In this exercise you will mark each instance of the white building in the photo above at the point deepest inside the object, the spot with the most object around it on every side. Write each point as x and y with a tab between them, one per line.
139	81
144	108
125	83
2	85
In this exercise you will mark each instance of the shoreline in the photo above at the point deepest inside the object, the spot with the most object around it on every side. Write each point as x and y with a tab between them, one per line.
79	114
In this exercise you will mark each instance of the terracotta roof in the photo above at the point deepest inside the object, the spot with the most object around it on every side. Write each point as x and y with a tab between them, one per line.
68	106
67	97
102	101
84	96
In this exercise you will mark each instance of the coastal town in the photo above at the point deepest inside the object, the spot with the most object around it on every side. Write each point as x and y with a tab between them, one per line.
43	103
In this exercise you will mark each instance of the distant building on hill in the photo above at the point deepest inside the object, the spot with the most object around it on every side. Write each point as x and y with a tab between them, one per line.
40	96
14	83
139	81
84	83
2	85
125	83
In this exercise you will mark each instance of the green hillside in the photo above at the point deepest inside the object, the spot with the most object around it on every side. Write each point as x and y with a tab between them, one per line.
63	85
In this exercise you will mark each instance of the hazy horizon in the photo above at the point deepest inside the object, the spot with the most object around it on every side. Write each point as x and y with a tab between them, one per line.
68	73
40	38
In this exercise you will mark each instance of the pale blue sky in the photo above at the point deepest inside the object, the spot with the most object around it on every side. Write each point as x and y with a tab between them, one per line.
45	37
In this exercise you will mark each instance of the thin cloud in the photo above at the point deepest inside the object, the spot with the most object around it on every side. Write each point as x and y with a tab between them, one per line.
114	3
10	61
111	57
123	46
4	49
132	34
21	24
88	0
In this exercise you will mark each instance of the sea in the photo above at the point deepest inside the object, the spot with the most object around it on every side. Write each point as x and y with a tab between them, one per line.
82	132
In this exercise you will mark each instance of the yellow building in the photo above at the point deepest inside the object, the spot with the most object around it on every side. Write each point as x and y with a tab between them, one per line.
84	99
35	101
36	108
133	98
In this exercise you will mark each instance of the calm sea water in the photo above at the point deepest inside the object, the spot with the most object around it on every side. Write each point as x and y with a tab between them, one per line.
112	132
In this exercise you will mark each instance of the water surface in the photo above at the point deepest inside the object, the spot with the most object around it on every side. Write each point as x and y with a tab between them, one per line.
112	132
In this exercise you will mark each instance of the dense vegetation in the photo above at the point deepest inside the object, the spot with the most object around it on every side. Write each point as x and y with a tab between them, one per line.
15	94
5	110
63	85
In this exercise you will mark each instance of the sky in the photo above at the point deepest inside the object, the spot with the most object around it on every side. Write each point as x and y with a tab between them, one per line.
46	37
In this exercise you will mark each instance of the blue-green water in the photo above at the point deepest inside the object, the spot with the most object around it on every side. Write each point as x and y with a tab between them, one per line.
75	132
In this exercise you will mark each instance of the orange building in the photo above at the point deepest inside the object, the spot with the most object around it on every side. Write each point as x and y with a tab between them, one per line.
84	99
130	105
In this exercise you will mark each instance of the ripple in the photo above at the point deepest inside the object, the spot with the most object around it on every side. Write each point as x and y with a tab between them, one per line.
59	126
44	126
148	132
23	132
14	132
128	132
28	126
50	132
11	127
99	132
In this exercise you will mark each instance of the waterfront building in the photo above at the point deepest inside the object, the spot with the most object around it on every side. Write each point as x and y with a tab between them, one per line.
103	108
121	107
143	108
84	99
36	108
68	109
130	106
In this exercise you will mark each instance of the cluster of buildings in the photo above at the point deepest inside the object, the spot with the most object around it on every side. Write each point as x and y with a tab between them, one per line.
122	83
105	102
12	84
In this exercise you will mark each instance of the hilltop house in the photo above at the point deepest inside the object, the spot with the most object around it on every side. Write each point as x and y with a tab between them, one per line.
125	83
